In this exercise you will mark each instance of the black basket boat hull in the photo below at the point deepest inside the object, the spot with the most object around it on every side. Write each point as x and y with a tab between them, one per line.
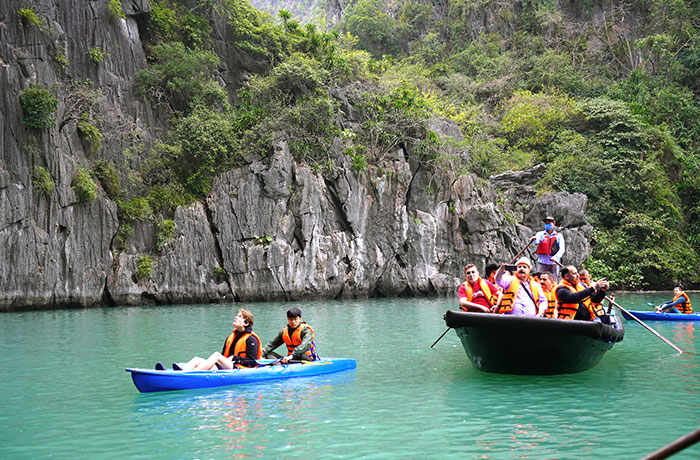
509	344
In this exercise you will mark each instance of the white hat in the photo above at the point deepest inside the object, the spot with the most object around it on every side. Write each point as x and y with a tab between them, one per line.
524	260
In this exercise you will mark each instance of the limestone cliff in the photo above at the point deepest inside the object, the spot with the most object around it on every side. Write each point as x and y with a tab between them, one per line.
273	229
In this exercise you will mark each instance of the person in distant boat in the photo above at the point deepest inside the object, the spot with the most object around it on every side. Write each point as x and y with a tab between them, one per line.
522	295
550	248
548	285
679	304
241	349
575	301
584	277
297	336
477	294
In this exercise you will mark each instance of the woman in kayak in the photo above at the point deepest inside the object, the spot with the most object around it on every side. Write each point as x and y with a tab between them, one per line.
679	304
241	349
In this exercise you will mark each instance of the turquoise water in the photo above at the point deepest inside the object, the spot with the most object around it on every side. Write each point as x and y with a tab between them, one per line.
65	394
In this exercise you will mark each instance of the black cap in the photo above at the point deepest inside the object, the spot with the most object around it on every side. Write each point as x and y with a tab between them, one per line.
548	218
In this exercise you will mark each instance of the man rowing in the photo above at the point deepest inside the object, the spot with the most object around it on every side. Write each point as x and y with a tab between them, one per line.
297	336
477	294
522	296
679	304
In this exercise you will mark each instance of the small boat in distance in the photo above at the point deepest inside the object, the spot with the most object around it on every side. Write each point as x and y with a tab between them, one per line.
656	316
150	380
509	344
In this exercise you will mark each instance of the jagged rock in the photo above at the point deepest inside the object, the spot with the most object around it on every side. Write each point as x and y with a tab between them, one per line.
273	229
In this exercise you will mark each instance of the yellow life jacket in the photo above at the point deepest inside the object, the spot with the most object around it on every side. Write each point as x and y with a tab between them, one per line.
685	308
491	297
568	310
295	340
506	305
551	303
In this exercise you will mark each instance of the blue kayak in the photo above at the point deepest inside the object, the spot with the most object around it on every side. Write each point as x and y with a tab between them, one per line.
656	316
150	380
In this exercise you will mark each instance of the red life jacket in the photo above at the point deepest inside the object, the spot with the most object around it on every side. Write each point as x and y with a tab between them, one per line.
491	297
684	308
295	340
549	244
241	348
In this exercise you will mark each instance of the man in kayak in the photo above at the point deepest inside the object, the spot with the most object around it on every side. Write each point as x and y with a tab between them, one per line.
241	349
522	295
550	248
297	336
679	304
477	294
575	301
548	284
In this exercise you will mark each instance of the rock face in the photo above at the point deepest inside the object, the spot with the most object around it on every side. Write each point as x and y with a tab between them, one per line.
274	229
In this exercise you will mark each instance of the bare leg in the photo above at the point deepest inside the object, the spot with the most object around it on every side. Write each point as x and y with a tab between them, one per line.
212	361
193	363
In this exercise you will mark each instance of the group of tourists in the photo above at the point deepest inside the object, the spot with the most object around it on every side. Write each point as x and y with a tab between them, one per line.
242	347
514	290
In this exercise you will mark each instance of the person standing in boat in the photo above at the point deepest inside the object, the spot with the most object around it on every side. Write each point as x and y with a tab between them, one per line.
679	304
241	349
477	294
522	295
548	285
550	248
297	336
575	301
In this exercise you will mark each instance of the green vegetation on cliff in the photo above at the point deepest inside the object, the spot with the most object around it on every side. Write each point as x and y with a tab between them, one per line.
612	110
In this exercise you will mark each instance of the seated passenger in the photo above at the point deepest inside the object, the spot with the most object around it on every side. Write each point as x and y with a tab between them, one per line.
241	349
574	301
522	296
477	294
547	284
679	304
584	278
297	336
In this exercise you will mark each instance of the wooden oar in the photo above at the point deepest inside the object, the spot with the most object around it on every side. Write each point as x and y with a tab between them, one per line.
521	251
514	259
676	446
645	325
443	335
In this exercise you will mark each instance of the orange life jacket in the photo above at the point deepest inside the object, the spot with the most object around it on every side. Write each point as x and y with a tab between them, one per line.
551	303
685	308
491	297
241	349
568	310
549	244
512	291
295	340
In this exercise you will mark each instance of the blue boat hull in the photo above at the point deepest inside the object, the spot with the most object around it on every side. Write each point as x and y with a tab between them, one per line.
655	316
149	380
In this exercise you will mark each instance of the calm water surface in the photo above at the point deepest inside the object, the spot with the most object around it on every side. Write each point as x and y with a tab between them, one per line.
65	394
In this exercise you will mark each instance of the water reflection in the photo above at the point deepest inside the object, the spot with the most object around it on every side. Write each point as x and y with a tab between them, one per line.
248	419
